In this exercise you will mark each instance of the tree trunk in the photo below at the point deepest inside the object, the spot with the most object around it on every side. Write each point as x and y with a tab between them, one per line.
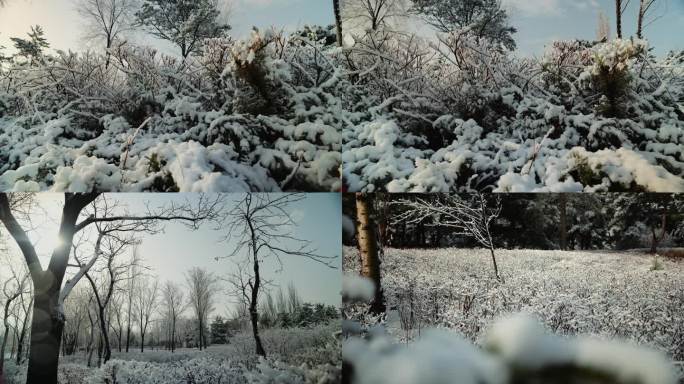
200	333
640	18
563	200
254	319
128	335
618	18
20	344
173	336
368	248
496	268
338	21
107	353
485	225
253	303
663	230
99	350
46	337
91	338
2	349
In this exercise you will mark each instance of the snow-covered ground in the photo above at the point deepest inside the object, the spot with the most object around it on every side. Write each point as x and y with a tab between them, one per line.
294	356
608	295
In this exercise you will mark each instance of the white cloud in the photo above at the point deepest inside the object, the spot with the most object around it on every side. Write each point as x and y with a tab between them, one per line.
534	7
585	4
548	7
264	3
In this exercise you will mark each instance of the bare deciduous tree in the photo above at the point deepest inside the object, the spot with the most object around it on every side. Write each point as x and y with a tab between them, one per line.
107	20
647	15
201	284
112	241
12	290
145	305
173	299
373	14
469	218
131	287
261	226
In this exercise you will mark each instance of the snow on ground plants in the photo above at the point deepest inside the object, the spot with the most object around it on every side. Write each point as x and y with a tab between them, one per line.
296	356
603	316
605	294
260	114
461	114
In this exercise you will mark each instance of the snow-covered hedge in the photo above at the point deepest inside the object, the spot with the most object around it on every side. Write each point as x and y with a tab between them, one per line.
263	114
461	115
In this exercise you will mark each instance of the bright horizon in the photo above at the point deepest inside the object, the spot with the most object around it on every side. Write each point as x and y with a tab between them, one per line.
62	23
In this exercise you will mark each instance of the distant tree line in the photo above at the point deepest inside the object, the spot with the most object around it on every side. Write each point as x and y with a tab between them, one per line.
542	221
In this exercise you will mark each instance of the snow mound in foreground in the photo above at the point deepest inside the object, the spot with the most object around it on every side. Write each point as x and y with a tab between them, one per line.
523	343
516	350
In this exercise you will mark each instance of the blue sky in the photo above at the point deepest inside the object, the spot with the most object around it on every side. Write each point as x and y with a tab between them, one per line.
540	21
174	252
63	25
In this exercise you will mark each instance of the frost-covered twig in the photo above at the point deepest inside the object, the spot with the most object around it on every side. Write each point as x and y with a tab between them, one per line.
537	148
468	218
292	175
130	140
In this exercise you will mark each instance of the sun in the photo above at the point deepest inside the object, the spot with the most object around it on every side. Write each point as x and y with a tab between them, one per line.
52	242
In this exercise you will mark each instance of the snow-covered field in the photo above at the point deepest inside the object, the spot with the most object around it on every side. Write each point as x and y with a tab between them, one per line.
607	294
294	356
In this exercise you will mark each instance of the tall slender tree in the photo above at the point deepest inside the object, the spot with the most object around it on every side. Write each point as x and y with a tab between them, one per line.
261	226
202	291
145	306
173	299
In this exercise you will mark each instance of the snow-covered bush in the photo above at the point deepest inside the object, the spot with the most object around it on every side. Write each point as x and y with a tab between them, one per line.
196	371
296	355
261	114
460	115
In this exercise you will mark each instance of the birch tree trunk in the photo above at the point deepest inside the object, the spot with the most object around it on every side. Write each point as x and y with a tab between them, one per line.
368	249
